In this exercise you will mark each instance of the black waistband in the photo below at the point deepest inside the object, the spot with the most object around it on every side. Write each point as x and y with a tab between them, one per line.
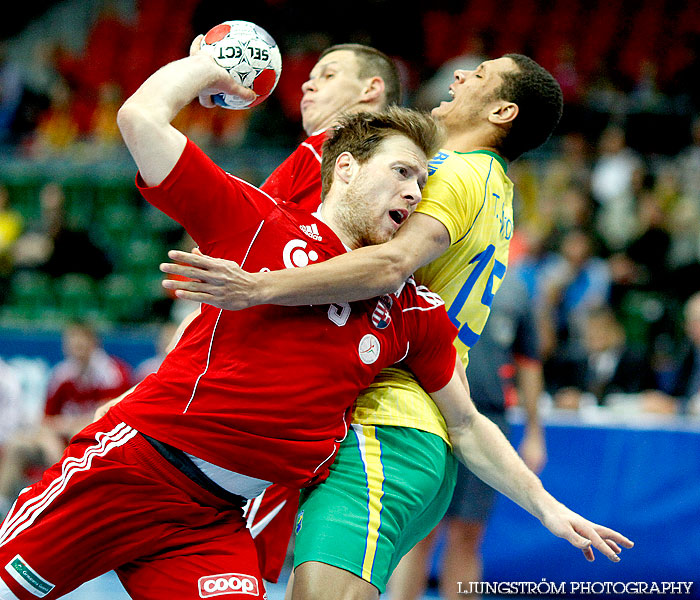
184	464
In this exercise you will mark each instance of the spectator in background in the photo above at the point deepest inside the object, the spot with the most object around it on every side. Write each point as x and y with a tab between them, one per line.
571	284
10	229
644	262
686	386
57	249
11	90
104	133
569	167
57	130
613	185
86	378
689	163
11	407
573	210
508	347
605	365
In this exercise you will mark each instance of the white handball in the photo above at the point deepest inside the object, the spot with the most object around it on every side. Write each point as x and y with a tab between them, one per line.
251	57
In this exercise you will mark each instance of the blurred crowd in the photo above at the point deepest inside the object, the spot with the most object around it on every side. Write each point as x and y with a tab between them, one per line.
607	235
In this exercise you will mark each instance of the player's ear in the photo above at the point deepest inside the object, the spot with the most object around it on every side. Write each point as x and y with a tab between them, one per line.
373	89
345	167
504	113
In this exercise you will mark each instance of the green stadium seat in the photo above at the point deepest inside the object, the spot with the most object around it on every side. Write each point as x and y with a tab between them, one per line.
79	203
31	294
77	296
123	300
142	256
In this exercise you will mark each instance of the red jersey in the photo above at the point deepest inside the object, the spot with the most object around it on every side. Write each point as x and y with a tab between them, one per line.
298	178
73	390
267	391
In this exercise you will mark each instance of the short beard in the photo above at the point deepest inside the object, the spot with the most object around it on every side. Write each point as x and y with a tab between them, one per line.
355	219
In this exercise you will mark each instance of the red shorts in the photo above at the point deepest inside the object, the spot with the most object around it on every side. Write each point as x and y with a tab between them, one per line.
270	518
114	503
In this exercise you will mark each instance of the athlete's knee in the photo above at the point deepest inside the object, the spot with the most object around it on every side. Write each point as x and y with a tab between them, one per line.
319	581
466	535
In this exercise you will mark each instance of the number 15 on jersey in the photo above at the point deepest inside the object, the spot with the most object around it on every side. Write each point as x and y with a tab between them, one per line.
482	260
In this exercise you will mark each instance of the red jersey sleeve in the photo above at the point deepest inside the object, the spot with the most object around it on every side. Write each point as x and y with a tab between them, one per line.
431	354
278	184
208	202
298	179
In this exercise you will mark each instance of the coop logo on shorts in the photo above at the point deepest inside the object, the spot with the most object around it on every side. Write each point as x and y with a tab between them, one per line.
227	583
27	577
295	255
369	349
299	522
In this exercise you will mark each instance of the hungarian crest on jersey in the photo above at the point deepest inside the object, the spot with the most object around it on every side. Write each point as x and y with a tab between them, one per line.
381	317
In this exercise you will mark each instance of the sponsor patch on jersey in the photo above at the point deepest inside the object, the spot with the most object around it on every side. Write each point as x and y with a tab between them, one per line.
299	522
381	317
228	583
295	254
28	578
369	349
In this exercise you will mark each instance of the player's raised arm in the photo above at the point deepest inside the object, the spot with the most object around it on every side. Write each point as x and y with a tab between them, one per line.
364	273
144	119
482	447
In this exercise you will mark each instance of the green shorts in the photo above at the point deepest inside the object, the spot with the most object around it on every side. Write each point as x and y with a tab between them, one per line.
387	489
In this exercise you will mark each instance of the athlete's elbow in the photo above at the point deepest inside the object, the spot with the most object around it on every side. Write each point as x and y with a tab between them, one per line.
136	119
129	119
397	269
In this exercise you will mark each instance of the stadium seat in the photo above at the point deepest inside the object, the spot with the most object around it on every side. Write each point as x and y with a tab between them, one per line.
114	227
31	294
122	300
77	296
158	225
142	256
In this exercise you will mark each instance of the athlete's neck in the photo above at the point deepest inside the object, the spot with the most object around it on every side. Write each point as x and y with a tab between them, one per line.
469	141
329	217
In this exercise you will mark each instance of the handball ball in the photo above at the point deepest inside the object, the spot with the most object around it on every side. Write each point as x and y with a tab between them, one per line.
251	57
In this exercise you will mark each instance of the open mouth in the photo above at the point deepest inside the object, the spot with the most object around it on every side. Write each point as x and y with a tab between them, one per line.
398	216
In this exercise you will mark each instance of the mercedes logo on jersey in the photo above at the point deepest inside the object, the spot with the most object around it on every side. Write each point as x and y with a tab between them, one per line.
369	349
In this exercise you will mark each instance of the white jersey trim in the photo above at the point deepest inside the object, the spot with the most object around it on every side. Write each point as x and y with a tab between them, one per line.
17	522
251	185
221	311
206	367
313	150
256	529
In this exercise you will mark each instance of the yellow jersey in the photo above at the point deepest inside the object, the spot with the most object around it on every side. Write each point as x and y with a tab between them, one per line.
470	194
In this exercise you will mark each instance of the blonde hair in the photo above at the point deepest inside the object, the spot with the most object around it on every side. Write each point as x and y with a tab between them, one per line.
361	135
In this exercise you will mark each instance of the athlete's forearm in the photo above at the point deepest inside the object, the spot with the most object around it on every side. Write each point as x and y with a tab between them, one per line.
530	385
173	86
483	448
144	119
363	273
